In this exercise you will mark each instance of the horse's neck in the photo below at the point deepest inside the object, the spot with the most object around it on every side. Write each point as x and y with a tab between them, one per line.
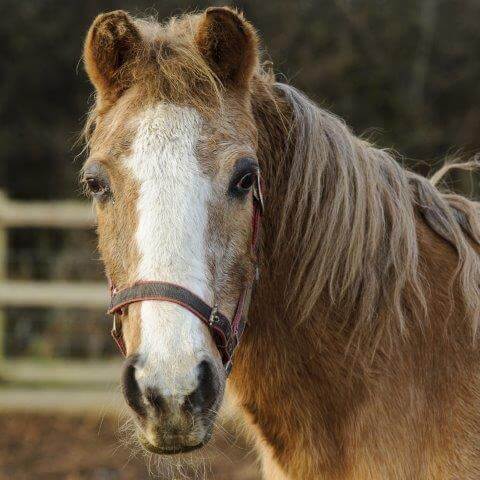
275	350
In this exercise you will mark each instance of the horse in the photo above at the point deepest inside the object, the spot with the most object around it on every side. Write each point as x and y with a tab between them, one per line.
255	245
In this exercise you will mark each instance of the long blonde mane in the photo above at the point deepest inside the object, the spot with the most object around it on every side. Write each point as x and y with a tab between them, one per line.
350	213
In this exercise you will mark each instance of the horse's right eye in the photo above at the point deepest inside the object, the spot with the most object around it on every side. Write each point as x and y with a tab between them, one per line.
96	181
96	186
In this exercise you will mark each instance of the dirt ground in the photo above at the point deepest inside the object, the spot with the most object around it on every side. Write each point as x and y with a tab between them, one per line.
83	447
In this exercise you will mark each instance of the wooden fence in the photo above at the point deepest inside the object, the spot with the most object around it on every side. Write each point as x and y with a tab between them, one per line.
58	214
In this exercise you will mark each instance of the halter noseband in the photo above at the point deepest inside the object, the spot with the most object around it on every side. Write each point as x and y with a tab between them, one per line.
225	333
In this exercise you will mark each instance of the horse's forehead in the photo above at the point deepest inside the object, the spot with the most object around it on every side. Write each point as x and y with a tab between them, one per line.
167	125
133	127
169	135
166	135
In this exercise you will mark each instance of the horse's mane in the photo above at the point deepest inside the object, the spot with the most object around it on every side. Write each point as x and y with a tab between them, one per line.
354	230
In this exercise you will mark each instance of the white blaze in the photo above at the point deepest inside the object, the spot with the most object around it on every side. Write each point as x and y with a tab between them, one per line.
172	222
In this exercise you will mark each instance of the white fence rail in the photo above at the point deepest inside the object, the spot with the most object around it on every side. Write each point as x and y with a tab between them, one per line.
32	214
53	294
55	214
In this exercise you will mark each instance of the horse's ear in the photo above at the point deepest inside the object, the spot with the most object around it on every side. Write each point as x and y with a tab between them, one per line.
229	44
109	48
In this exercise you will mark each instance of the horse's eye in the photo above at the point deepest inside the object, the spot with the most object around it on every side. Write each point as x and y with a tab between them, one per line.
246	182
243	178
95	186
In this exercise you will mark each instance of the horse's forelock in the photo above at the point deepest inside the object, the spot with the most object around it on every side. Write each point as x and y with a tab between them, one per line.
172	65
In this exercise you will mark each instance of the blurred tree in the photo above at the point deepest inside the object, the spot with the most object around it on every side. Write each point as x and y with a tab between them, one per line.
408	68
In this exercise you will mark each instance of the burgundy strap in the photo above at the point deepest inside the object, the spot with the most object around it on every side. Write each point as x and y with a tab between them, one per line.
226	334
218	323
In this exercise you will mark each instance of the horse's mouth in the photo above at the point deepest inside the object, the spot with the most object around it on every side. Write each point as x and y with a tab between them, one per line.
172	450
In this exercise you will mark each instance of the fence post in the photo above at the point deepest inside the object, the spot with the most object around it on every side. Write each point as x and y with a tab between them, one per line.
3	274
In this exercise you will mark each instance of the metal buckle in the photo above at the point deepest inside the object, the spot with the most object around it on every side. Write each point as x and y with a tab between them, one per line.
116	333
213	316
115	330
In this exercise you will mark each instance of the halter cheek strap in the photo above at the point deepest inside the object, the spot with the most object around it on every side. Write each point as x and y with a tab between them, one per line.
225	333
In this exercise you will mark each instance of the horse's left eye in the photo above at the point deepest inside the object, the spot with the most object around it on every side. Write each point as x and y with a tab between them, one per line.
243	178
246	182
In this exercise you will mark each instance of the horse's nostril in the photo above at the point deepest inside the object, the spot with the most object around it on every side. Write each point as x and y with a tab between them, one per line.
205	395
131	390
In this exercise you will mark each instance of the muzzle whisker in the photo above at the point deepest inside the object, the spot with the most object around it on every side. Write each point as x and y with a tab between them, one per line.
218	451
217	424
103	412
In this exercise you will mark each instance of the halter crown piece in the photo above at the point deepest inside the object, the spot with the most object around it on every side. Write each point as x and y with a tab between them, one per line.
225	333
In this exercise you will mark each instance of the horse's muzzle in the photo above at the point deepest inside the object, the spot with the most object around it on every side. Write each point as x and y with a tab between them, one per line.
170	422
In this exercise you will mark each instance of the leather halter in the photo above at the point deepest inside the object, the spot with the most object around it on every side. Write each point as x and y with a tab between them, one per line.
225	333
